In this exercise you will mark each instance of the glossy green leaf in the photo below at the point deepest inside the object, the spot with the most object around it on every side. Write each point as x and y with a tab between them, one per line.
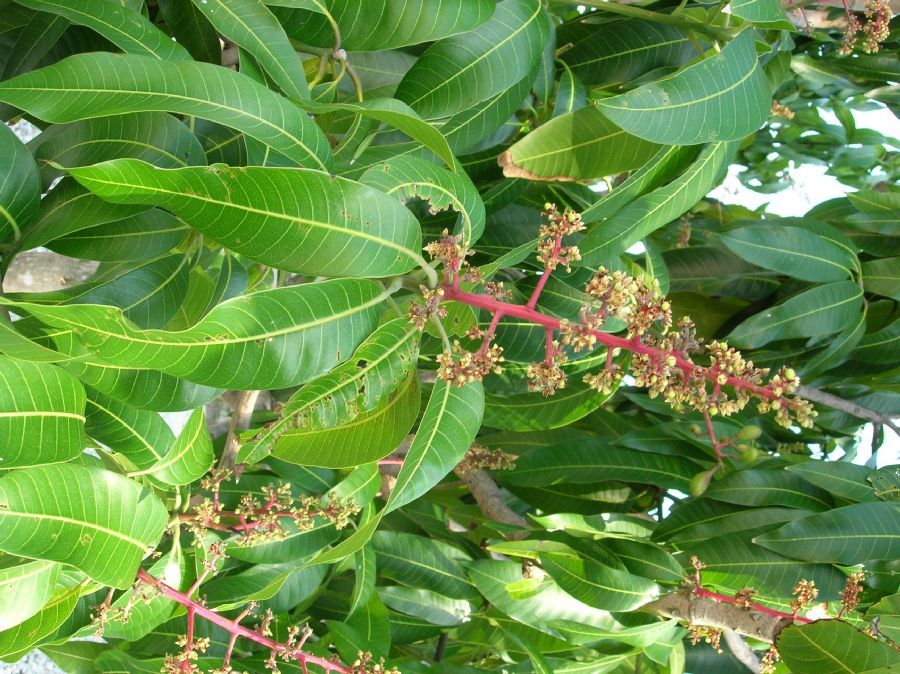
760	487
98	84
397	114
591	462
422	562
320	320
882	277
425	604
25	586
20	188
650	212
41	414
17	640
364	572
790	250
449	425
409	178
839	478
76	657
140	435
87	521
458	72
126	28
764	13
188	458
37	37
154	137
834	647
528	412
370	436
302	221
382	24
822	310
849	535
578	145
597	585
723	97
357	386
191	30
620	51
294	546
250	25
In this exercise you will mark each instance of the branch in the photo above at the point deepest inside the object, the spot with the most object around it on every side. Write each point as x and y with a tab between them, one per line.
756	622
490	500
740	650
833	401
241	413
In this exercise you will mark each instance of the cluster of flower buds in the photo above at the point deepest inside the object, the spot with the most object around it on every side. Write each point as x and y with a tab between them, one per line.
421	313
767	661
260	517
870	35
710	635
481	458
551	252
781	110
721	383
185	661
805	592
366	664
850	594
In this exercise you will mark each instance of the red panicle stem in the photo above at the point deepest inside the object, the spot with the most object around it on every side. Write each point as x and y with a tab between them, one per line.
700	592
233	628
610	341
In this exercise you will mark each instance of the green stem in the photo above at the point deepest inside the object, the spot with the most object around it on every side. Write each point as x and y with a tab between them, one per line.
657	17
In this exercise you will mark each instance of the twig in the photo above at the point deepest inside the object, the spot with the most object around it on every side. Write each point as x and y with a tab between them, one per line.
818	396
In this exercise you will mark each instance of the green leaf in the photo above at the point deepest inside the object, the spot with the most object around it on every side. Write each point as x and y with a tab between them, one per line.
723	97
458	72
410	178
764	13
528	412
880	346
448	428
294	546
838	350
87	520
41	414
17	640
834	647
378	25
816	312
650	212
620	51
598	585
25	586
370	436
760	487
126	28
792	251
849	535
296	220
882	277
191	30
578	145
539	609
397	114
251	26
98	84
154	137
37	37
839	478
243	343
422	562
20	188
377	366
364	571
431	606
188	458
591	462
75	657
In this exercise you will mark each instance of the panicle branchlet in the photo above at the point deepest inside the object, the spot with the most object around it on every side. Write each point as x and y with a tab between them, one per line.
767	661
850	594
805	592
